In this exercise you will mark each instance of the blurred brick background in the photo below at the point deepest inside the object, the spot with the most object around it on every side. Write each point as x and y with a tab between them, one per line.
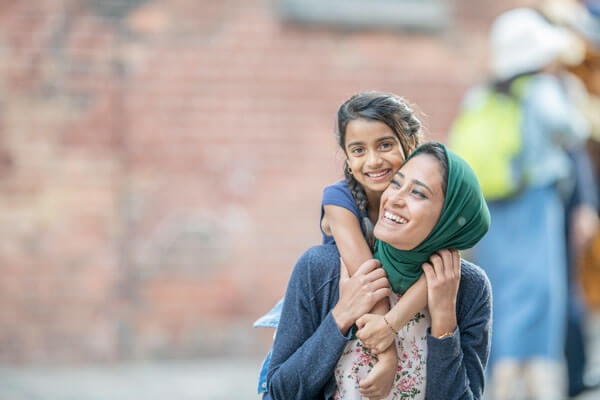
162	162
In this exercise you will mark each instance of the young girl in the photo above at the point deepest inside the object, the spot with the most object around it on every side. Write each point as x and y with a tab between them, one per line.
377	132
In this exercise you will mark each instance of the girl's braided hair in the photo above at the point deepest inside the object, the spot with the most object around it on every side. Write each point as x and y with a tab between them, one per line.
393	111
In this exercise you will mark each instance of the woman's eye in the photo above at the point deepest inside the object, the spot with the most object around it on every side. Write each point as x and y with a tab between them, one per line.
419	194
386	146
357	150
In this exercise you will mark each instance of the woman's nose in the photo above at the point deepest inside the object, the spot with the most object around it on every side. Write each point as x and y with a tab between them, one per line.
398	197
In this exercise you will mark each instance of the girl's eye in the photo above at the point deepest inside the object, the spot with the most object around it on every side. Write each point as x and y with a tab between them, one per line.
386	145
356	150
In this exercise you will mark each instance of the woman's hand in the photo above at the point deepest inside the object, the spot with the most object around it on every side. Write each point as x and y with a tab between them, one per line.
443	277
359	293
375	334
380	380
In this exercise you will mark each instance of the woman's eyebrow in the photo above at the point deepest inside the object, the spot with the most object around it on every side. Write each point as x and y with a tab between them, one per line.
416	182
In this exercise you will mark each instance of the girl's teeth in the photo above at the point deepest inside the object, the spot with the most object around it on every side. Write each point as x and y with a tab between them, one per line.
377	175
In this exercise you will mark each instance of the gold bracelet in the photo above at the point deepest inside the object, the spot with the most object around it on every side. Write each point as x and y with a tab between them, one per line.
445	335
390	325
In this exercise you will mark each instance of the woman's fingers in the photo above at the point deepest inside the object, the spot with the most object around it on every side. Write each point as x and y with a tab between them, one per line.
447	263
456	258
380	283
429	272
381	294
376	274
368	266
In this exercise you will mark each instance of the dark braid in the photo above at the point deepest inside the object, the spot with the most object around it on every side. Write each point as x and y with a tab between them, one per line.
393	111
360	197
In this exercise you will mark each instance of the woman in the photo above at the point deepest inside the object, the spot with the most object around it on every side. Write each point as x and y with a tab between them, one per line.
433	203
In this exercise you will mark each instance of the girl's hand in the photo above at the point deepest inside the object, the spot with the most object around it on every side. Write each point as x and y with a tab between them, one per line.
375	334
443	277
380	380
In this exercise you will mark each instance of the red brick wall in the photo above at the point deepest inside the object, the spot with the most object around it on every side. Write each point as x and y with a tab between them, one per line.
161	163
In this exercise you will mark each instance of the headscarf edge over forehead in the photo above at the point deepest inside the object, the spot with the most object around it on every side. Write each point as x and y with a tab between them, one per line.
464	220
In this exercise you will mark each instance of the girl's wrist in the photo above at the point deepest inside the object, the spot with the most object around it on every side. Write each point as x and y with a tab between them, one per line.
390	324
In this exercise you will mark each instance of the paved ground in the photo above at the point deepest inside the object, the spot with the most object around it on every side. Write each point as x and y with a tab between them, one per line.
229	379
198	380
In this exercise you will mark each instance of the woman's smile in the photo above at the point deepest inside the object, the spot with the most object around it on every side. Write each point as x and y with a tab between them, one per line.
390	217
412	204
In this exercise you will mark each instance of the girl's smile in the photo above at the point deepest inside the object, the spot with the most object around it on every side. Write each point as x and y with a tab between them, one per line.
374	153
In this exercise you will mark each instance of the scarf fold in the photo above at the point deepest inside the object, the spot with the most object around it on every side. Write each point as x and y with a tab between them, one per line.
464	220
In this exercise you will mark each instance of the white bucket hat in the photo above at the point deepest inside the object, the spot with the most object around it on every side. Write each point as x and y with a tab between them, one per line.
521	40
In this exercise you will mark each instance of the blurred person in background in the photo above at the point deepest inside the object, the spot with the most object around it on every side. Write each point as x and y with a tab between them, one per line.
581	219
524	253
582	83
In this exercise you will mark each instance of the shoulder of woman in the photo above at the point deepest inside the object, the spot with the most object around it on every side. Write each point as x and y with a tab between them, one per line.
474	280
318	265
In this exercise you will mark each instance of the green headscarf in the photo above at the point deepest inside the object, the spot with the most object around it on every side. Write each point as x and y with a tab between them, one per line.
464	220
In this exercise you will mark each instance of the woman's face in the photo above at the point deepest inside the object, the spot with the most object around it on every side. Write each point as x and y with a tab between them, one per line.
374	153
412	204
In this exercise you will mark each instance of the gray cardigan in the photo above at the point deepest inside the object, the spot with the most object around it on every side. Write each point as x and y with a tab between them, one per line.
309	343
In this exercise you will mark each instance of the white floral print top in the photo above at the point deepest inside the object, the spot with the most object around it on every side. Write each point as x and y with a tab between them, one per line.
411	344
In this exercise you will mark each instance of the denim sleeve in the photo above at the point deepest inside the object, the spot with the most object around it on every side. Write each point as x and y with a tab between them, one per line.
456	364
308	342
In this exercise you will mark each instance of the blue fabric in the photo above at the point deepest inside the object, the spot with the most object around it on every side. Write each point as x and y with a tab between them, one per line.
549	122
269	320
524	251
585	193
337	194
524	257
309	343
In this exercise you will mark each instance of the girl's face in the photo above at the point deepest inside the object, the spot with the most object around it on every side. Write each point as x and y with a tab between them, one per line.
374	153
412	204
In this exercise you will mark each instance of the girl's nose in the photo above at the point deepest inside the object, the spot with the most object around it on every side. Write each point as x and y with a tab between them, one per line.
374	159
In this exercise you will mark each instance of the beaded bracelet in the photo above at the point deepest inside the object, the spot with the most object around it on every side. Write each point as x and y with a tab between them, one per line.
390	325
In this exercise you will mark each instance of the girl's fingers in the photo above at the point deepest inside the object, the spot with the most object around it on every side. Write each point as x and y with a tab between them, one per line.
361	322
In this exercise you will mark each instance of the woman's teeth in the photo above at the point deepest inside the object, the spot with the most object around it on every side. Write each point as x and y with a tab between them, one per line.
396	218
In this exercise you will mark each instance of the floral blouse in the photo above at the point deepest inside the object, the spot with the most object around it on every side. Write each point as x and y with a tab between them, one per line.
411	344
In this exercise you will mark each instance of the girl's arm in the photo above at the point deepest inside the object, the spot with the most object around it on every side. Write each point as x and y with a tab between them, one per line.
353	249
345	229
377	332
